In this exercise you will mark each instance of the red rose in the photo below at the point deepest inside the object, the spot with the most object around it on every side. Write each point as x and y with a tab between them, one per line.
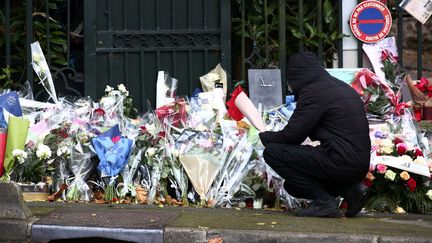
143	128
412	184
397	141
401	148
162	134
367	183
418	153
344	205
99	112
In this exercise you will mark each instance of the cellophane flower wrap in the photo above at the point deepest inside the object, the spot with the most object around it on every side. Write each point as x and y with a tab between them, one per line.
113	152
201	158
236	152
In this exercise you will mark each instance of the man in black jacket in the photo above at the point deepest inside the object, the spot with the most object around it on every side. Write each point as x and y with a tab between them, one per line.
330	111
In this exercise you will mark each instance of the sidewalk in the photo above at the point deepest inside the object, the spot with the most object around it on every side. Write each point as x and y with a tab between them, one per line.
139	223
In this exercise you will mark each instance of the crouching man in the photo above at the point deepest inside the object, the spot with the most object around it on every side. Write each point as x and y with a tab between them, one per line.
330	111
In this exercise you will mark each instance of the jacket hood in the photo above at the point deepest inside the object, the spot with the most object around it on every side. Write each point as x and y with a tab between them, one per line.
303	69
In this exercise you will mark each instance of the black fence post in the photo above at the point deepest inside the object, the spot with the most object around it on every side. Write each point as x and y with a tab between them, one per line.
282	45
7	33
419	50
29	40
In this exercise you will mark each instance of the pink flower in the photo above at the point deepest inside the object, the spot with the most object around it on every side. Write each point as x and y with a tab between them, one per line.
381	168
371	168
115	139
401	148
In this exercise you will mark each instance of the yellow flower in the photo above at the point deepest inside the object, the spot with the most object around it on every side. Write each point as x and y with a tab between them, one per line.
399	210
390	175
386	150
370	176
420	160
404	175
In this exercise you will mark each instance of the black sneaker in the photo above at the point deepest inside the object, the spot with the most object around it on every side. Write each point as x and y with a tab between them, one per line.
321	208
356	198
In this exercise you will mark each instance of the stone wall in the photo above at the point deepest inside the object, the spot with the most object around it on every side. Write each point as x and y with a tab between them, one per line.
410	45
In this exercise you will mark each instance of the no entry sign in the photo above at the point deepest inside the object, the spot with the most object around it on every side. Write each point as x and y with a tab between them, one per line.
370	21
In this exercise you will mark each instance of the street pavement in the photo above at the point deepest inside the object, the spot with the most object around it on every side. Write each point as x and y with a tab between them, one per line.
140	223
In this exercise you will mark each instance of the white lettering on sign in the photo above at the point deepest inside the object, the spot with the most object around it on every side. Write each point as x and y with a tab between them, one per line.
359	32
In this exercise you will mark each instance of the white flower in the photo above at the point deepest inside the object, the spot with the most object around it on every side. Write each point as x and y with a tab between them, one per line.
64	150
405	158
36	58
122	88
43	151
429	194
20	155
420	160
175	153
150	152
83	137
108	89
386	143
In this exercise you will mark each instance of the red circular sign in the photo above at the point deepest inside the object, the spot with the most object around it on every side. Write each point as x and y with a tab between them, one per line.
370	21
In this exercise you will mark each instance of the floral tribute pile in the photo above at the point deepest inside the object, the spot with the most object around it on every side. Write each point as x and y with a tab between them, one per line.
185	152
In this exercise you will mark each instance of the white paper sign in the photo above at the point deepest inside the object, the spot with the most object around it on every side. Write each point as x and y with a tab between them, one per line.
373	51
402	163
165	89
419	9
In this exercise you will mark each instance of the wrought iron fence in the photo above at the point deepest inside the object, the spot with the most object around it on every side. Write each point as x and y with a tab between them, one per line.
53	31
261	52
283	21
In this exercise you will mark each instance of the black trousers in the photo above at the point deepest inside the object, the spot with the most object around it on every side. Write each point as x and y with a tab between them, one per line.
309	173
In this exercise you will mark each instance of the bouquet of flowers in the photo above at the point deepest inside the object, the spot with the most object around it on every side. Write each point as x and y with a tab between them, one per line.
382	97
399	177
113	152
201	159
421	93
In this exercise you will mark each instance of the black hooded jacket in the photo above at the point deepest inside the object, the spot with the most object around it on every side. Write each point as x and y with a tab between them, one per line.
328	110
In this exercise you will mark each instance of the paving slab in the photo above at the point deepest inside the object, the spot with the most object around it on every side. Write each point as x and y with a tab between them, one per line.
105	222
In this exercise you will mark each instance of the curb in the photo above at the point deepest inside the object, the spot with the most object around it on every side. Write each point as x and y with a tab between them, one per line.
173	234
15	217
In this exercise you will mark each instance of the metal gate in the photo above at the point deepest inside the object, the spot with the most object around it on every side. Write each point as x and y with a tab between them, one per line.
128	41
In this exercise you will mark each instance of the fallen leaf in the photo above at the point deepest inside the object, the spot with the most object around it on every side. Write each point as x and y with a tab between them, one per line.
215	240
274	222
238	209
58	194
203	227
93	214
260	224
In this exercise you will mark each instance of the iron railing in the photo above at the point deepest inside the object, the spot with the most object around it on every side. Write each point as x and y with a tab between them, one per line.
245	52
63	74
255	50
